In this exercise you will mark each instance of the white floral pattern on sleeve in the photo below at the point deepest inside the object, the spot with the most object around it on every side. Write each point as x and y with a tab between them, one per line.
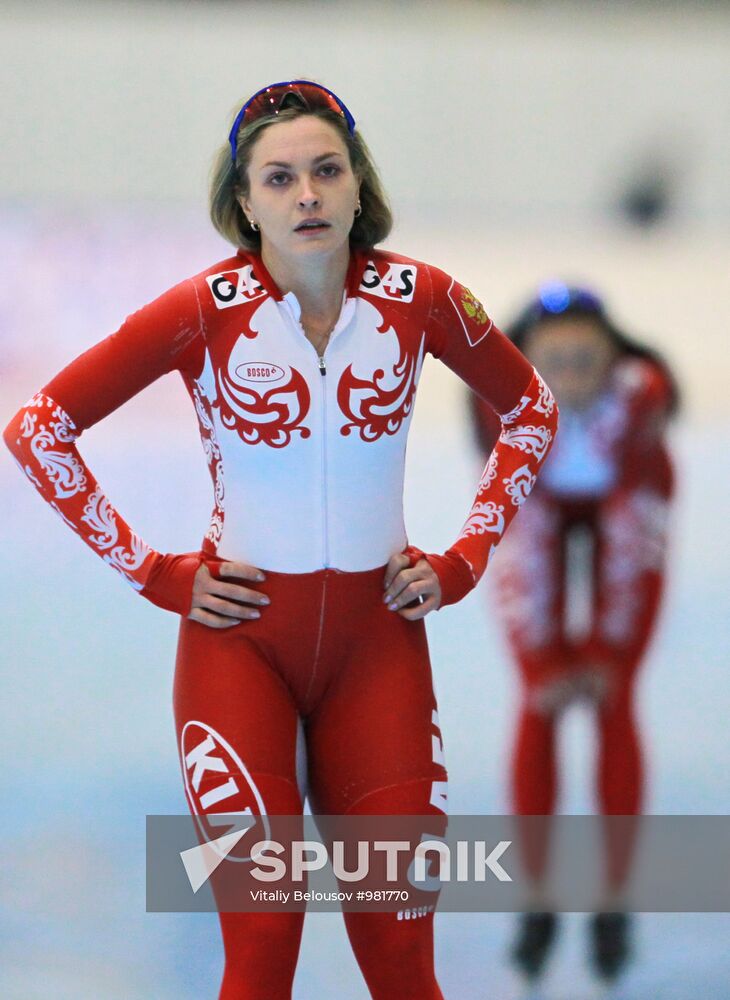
511	471
45	450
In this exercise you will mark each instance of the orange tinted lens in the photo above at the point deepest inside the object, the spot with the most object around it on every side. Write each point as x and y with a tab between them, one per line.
270	101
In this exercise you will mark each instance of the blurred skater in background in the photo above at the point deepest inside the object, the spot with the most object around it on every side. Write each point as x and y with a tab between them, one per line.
603	496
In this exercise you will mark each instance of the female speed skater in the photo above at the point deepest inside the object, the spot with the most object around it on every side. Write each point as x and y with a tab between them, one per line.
609	479
302	612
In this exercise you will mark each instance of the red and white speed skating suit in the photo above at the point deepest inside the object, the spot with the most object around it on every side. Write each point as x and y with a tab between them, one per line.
307	460
611	475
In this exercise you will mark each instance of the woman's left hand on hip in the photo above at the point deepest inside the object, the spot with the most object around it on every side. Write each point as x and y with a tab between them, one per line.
412	591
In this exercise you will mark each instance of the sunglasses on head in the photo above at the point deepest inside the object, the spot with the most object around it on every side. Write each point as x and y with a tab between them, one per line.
269	101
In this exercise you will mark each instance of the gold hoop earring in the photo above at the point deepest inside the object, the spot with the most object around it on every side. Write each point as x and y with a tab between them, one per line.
254	225
358	210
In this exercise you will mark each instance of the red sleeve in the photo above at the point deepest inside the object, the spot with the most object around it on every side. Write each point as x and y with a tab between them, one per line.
645	460
164	335
460	334
630	556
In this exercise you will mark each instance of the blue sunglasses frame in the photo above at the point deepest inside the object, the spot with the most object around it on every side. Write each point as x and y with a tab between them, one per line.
284	88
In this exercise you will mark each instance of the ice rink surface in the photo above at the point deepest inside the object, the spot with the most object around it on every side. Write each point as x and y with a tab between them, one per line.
88	743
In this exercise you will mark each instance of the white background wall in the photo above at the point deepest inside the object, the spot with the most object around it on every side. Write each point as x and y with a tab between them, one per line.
489	108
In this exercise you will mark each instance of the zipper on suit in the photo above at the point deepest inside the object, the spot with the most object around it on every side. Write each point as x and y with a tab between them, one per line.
325	520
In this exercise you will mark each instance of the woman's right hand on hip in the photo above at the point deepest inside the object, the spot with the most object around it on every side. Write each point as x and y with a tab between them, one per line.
220	604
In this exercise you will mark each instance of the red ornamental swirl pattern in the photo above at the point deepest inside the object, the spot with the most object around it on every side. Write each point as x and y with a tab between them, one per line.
370	405
271	417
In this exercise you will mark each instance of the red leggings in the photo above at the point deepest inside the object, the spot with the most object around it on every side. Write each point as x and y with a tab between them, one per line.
326	669
625	576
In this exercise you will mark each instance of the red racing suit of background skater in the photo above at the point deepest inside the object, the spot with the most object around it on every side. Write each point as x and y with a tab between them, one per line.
610	473
307	459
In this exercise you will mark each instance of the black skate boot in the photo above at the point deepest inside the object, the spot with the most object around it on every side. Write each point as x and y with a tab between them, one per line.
611	944
534	938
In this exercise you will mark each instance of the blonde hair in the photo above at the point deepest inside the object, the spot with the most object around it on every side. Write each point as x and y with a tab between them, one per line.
229	181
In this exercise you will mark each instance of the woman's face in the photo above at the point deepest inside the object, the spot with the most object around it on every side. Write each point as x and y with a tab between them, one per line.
302	191
574	356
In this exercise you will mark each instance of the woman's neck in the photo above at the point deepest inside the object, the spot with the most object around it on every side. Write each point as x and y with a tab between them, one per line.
318	282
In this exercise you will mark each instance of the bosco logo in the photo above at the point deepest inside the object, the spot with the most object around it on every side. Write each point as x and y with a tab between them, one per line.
398	283
233	288
259	371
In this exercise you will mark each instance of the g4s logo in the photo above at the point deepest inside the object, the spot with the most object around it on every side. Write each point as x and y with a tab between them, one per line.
398	283
233	288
